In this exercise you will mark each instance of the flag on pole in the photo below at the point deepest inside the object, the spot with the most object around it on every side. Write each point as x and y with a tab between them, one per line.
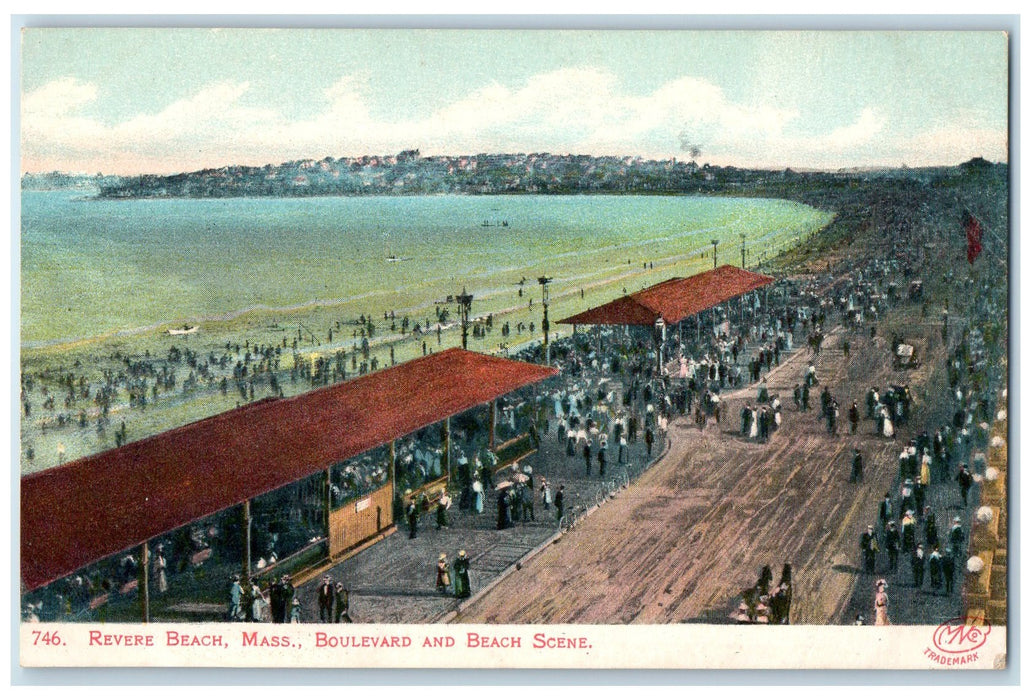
972	227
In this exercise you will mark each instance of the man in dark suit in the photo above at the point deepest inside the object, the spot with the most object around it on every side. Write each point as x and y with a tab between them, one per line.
884	511
956	536
893	544
916	561
868	548
965	481
948	570
413	518
857	467
326	599
287	593
934	565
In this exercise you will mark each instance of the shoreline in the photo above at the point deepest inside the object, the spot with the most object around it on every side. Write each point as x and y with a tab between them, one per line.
319	330
610	276
614	273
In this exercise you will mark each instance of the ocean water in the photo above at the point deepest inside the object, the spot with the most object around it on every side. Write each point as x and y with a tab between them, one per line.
91	267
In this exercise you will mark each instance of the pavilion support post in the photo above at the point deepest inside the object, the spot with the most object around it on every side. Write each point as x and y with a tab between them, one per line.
245	573
327	501
447	446
392	474
143	577
392	456
492	424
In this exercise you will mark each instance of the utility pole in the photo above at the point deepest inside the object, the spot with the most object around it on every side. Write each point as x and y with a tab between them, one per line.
714	242
743	252
544	281
465	305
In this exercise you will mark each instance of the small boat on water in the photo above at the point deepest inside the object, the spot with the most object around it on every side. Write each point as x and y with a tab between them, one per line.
393	257
185	330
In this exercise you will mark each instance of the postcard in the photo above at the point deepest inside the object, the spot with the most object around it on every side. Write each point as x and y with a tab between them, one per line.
514	348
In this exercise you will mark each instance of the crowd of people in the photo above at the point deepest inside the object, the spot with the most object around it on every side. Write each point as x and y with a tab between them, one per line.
766	605
909	527
612	394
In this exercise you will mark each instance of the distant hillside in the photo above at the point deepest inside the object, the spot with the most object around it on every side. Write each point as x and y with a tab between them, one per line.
409	173
66	181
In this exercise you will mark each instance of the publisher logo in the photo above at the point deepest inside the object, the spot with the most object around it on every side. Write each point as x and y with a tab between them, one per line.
957	636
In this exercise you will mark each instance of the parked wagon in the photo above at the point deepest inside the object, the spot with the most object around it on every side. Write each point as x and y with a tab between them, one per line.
916	290
905	357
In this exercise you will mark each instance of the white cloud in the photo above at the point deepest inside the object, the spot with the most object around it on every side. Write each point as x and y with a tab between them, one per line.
57	98
576	110
214	106
868	127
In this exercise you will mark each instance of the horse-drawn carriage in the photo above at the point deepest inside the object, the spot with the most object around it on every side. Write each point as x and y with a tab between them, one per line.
905	356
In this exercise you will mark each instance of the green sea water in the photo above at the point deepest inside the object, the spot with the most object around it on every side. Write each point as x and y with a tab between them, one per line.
92	267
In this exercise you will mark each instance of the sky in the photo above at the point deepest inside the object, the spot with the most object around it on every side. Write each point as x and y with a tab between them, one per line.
129	101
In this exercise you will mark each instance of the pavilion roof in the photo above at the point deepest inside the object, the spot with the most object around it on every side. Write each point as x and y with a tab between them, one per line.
83	511
675	299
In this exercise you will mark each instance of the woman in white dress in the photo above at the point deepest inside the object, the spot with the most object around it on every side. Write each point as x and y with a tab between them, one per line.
753	430
161	569
889	428
478	501
258	604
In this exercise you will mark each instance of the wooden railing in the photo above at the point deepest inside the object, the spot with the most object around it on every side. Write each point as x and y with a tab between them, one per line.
511	451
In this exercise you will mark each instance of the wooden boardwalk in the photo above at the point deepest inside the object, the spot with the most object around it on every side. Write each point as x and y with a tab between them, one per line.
683	541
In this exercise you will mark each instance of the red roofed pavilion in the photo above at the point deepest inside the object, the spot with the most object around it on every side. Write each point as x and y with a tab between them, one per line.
675	299
105	503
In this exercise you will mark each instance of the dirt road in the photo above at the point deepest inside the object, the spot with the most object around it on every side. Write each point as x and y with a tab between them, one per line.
681	543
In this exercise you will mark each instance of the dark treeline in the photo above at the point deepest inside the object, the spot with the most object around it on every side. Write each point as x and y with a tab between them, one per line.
409	173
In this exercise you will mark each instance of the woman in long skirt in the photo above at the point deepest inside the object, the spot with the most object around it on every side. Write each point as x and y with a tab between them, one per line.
503	516
443	575
889	429
258	604
161	570
461	576
880	604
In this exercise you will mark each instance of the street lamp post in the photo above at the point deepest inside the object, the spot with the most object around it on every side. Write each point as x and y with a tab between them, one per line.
465	305
544	281
741	299
660	337
714	242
